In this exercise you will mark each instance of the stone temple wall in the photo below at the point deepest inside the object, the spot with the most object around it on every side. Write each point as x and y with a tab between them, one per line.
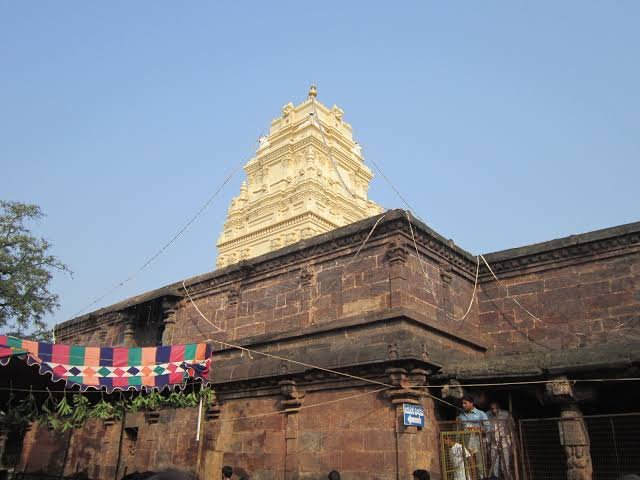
384	315
590	299
357	437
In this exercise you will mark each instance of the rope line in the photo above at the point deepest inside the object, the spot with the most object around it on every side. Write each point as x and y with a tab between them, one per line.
308	365
495	384
326	145
473	293
166	245
509	296
429	282
353	259
534	382
398	194
198	310
302	407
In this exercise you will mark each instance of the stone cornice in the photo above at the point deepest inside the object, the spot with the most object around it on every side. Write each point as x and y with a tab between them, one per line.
305	188
471	338
296	147
612	241
332	241
614	356
281	225
87	323
620	240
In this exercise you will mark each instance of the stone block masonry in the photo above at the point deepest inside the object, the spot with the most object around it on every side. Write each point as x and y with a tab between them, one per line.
387	315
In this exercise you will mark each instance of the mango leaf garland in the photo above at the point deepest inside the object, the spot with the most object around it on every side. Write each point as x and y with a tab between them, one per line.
63	414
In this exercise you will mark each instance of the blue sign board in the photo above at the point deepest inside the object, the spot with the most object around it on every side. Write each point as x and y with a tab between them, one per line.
413	415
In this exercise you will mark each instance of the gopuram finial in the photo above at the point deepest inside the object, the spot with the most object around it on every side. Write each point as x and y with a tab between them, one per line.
313	91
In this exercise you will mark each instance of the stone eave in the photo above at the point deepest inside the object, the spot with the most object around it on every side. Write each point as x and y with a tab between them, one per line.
614	240
471	338
610	357
349	235
617	240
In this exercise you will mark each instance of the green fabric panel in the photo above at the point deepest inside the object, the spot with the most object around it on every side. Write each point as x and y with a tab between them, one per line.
135	381
75	379
135	356
190	351
14	342
76	355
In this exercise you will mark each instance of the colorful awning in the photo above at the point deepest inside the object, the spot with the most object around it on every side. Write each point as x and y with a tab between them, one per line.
113	368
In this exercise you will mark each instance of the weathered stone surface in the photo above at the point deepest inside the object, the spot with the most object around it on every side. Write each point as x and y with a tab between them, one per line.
390	308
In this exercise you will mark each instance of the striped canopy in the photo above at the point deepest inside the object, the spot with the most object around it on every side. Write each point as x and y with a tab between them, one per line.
113	368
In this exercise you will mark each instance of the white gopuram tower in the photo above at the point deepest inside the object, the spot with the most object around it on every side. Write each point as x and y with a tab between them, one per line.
297	186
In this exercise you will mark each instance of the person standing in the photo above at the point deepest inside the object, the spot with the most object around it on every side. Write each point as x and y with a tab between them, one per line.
476	423
500	440
457	465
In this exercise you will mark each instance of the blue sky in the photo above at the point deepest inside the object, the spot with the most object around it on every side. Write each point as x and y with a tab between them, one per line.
503	123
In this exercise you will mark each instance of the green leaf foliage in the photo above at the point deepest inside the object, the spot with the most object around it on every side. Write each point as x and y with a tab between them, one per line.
62	414
26	270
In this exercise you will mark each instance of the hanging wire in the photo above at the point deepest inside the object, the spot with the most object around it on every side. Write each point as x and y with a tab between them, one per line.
151	259
326	145
509	296
430	283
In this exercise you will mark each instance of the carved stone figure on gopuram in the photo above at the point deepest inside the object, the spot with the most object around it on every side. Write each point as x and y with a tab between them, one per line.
307	177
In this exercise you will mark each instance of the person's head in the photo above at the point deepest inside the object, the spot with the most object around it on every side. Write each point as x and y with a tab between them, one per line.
334	475
421	475
227	471
467	403
449	440
494	406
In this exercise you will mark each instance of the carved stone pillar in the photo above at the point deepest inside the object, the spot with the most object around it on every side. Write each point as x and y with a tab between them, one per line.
446	275
215	440
130	319
292	402
409	456
574	436
168	319
4	434
306	283
397	256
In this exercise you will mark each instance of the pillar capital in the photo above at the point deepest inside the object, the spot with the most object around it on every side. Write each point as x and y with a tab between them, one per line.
130	318
405	380
293	397
169	309
213	409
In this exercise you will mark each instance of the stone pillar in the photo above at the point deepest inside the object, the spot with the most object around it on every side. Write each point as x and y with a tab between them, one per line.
130	318
206	463
574	436
169	320
4	433
446	275
292	402
409	455
215	441
397	256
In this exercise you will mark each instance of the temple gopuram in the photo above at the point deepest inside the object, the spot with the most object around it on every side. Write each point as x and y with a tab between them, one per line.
308	177
360	313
